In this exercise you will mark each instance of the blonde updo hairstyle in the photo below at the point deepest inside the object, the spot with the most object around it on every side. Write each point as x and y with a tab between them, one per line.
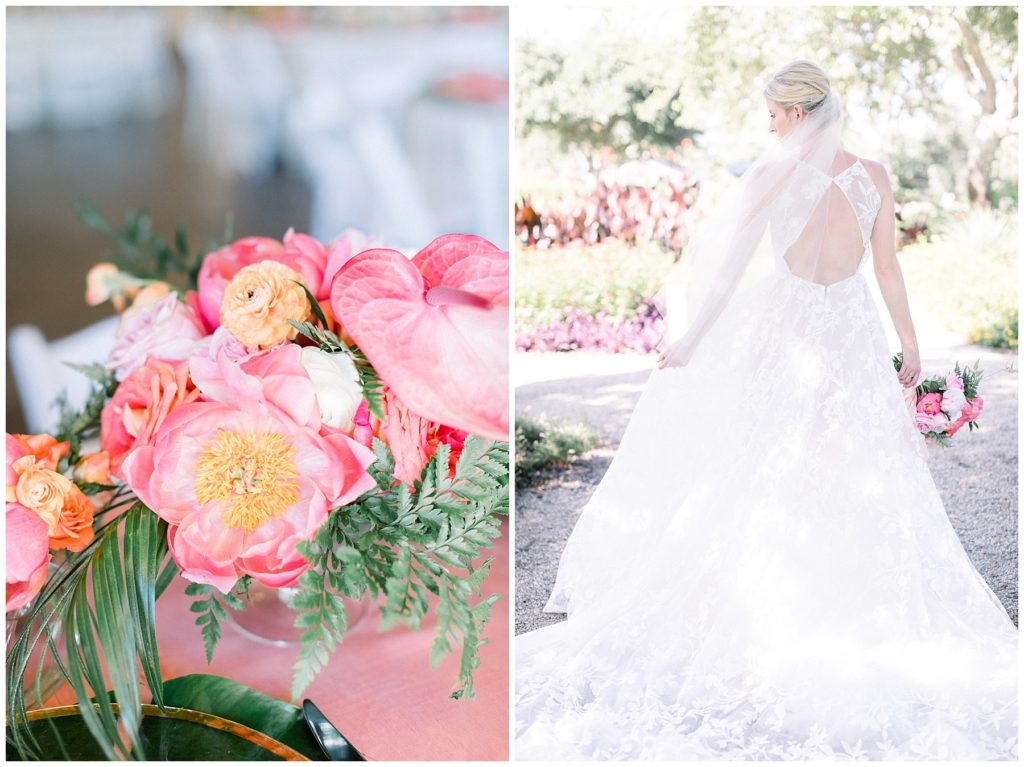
799	83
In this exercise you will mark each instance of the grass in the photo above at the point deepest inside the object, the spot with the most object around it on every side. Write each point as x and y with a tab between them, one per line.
543	446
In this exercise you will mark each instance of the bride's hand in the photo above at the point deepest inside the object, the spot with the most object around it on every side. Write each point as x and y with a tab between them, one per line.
910	370
676	355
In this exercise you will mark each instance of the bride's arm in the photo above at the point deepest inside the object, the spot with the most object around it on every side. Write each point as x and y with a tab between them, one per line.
890	278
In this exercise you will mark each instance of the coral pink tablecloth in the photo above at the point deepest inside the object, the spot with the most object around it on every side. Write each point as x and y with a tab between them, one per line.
379	689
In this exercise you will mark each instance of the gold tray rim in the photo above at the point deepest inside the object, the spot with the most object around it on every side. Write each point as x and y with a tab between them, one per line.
189	715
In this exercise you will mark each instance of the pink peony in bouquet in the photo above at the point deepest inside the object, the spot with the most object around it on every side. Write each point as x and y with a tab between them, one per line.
941	405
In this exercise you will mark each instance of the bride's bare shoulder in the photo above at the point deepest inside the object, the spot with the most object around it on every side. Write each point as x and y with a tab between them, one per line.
877	172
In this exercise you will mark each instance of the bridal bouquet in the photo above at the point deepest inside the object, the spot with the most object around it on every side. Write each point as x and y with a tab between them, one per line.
327	418
943	404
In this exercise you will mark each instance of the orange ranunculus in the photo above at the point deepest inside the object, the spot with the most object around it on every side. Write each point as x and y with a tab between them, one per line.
57	501
259	301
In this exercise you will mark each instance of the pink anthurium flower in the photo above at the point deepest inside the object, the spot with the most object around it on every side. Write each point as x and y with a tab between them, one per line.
435	328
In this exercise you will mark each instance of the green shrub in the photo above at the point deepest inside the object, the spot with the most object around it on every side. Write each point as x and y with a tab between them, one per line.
612	277
542	445
967	276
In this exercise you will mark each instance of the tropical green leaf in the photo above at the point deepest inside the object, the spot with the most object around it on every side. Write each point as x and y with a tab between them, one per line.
230	700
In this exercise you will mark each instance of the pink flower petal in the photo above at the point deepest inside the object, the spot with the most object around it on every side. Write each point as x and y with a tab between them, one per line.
442	346
27	537
197	566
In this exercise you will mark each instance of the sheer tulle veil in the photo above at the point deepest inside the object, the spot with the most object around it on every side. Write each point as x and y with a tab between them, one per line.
786	187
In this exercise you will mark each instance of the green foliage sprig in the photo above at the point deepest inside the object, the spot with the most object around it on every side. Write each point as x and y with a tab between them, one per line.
76	425
412	545
209	603
146	254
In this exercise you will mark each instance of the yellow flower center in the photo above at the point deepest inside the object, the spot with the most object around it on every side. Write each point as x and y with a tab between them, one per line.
253	474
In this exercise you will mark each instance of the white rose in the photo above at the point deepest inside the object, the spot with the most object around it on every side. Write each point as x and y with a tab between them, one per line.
336	381
953	401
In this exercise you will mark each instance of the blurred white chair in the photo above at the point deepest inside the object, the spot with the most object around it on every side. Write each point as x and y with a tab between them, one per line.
101	65
460	152
41	375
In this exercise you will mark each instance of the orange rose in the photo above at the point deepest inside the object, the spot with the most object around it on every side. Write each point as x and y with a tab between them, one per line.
94	467
57	501
259	301
105	282
47	450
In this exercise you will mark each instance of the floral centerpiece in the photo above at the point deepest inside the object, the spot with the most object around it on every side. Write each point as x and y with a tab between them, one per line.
332	419
941	405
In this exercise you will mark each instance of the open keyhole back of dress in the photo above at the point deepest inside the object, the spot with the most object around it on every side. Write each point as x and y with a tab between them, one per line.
836	239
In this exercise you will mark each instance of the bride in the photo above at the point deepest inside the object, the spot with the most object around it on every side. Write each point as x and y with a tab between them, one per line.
766	571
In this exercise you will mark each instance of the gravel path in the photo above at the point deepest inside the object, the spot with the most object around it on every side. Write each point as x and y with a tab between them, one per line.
977	478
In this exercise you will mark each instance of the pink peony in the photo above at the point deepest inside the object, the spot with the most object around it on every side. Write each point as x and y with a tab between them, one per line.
309	258
929	415
930	404
166	331
224	373
243	480
142	402
27	555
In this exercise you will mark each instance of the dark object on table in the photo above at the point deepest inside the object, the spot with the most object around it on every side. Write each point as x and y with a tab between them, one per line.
333	743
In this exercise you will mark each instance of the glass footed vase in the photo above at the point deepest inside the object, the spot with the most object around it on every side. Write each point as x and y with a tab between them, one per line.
42	674
269	618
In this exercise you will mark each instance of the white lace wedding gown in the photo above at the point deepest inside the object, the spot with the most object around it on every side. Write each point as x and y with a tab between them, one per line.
766	570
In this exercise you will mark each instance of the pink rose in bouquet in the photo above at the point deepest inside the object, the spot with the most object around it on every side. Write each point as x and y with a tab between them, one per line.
166	331
28	555
142	402
243	480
